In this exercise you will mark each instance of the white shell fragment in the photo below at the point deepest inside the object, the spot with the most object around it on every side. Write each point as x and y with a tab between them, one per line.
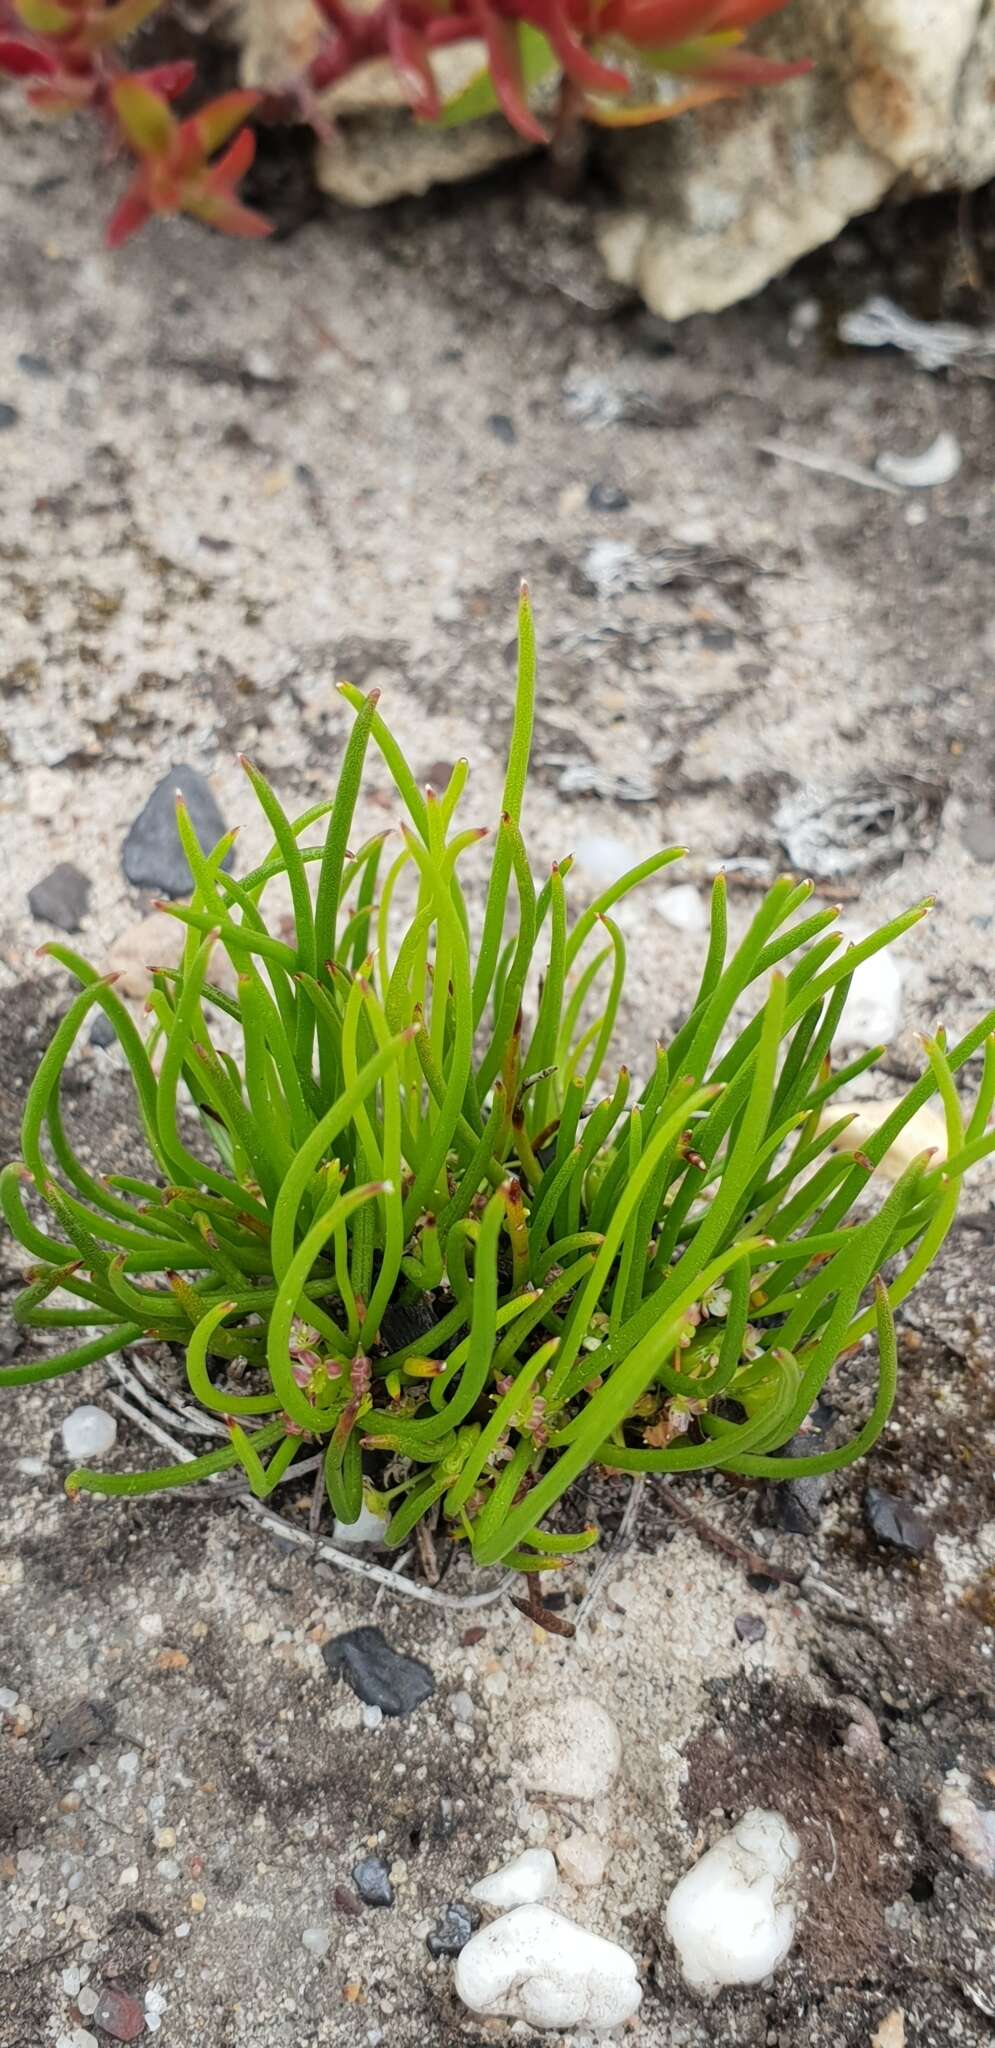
88	1432
874	1006
537	1966
732	1917
524	1881
924	1132
572	1748
938	464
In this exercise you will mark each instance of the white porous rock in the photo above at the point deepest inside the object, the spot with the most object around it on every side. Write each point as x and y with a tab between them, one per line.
582	1858
536	1965
972	1828
572	1748
88	1432
732	1916
683	908
525	1881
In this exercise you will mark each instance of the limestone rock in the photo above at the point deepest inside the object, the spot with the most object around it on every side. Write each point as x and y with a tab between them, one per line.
378	151
537	1966
899	99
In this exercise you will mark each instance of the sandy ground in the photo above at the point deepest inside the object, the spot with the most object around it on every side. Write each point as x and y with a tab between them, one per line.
233	476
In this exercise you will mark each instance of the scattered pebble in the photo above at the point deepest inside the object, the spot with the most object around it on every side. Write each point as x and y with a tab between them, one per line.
603	857
572	1748
119	2015
750	1628
62	898
102	1031
379	1675
461	1707
9	416
35	366
683	908
607	497
731	1917
524	1881
197	1902
972	1828
894	1522
535	1965
372	1881
502	428
367	1528
582	1859
453	1929
152	856
88	1432
873	1011
346	1901
129	1875
371	1717
155	941
86	1723
891	2032
925	1131
317	1940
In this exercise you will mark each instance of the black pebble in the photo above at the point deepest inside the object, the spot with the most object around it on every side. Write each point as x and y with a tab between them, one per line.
35	366
9	416
372	1881
62	898
152	857
800	1501
378	1675
102	1031
605	497
893	1522
454	1929
502	428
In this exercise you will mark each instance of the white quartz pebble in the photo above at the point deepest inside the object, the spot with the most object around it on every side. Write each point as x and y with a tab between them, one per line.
367	1528
873	1010
537	1966
88	1432
732	1917
582	1858
524	1881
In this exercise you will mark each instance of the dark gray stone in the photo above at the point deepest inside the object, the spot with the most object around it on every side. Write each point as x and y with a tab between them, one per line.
378	1675
502	428
35	366
372	1881
152	857
454	1929
9	416
607	497
750	1628
102	1031
894	1522
800	1501
62	899
85	1724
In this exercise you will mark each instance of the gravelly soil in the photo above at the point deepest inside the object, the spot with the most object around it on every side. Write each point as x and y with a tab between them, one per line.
242	474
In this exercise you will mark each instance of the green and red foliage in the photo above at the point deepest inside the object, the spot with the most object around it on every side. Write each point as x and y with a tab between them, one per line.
617	63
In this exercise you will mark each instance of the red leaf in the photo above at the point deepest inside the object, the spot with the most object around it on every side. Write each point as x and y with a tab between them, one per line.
742	68
217	210
225	175
660	21
743	13
506	71
169	79
22	60
577	62
214	123
408	54
131	214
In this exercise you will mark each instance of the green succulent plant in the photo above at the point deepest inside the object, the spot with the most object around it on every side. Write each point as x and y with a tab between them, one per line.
414	1124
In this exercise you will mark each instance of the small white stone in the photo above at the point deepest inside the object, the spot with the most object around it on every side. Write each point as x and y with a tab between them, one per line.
622	1595
525	1881
371	1716
8	1699
88	2000
367	1528
537	1966
972	1828
88	1432
71	1980
683	908
572	1748
150	1624
497	1683
129	1875
181	1930
873	1010
604	858
732	1917
128	1763
582	1858
461	1707
317	1940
